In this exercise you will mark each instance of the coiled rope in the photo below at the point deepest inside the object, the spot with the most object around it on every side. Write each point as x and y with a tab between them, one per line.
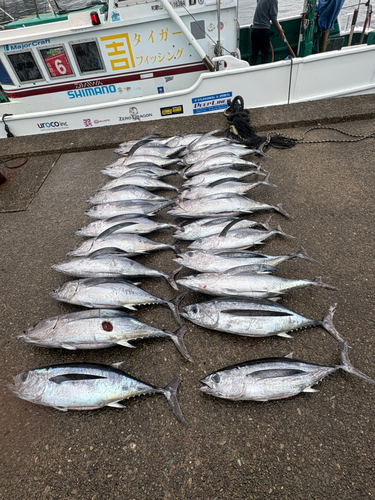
240	130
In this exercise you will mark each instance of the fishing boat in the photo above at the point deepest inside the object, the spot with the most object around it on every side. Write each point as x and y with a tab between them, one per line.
118	62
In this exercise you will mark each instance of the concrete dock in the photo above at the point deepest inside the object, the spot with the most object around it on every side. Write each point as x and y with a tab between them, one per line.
310	447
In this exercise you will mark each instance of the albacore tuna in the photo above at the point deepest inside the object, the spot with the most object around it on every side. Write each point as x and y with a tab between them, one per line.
97	329
111	293
273	378
86	386
252	317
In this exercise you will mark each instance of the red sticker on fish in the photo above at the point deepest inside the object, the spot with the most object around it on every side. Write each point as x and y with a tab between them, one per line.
107	326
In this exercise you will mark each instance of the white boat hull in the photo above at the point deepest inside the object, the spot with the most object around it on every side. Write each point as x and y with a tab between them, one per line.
333	74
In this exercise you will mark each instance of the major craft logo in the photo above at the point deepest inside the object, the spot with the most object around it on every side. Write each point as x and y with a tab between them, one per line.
52	126
92	91
209	103
26	45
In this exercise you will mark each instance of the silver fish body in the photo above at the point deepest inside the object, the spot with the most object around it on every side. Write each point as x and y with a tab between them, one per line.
273	378
202	228
123	193
236	238
145	158
144	181
221	261
144	168
239	282
125	224
223	173
130	243
110	265
230	149
86	386
219	205
217	161
131	207
222	186
110	293
251	317
96	329
161	150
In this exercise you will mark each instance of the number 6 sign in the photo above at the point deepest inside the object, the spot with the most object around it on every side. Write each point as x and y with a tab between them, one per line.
58	65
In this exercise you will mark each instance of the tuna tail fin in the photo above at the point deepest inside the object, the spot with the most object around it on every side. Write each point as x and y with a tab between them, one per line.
173	304
348	367
281	233
302	254
171	277
327	324
178	339
267	182
318	282
170	392
279	208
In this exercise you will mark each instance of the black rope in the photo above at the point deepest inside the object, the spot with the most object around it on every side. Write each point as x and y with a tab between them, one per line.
7	130
239	128
24	159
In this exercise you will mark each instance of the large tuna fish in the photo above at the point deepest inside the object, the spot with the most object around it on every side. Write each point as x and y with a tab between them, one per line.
86	386
131	244
96	329
243	282
131	207
252	317
221	205
111	263
273	378
110	293
218	262
125	224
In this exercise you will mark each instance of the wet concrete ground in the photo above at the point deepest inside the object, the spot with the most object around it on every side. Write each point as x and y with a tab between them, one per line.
312	446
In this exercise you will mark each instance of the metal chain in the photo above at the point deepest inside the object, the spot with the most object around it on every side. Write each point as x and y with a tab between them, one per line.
357	137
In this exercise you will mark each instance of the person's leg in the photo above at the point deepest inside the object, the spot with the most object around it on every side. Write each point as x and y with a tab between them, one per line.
255	46
265	47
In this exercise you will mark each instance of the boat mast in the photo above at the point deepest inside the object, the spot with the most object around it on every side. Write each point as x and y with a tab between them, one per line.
176	18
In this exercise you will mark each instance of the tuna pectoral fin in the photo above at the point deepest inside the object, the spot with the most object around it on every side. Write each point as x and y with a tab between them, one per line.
310	389
348	367
178	339
170	392
115	404
285	335
125	343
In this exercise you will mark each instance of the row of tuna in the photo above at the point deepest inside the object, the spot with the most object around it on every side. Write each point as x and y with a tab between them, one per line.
213	196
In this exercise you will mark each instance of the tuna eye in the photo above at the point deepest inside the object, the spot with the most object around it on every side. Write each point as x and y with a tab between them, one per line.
23	376
216	378
194	309
189	254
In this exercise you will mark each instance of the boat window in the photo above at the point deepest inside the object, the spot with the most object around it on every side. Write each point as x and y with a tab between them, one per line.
5	79
88	56
56	61
25	66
